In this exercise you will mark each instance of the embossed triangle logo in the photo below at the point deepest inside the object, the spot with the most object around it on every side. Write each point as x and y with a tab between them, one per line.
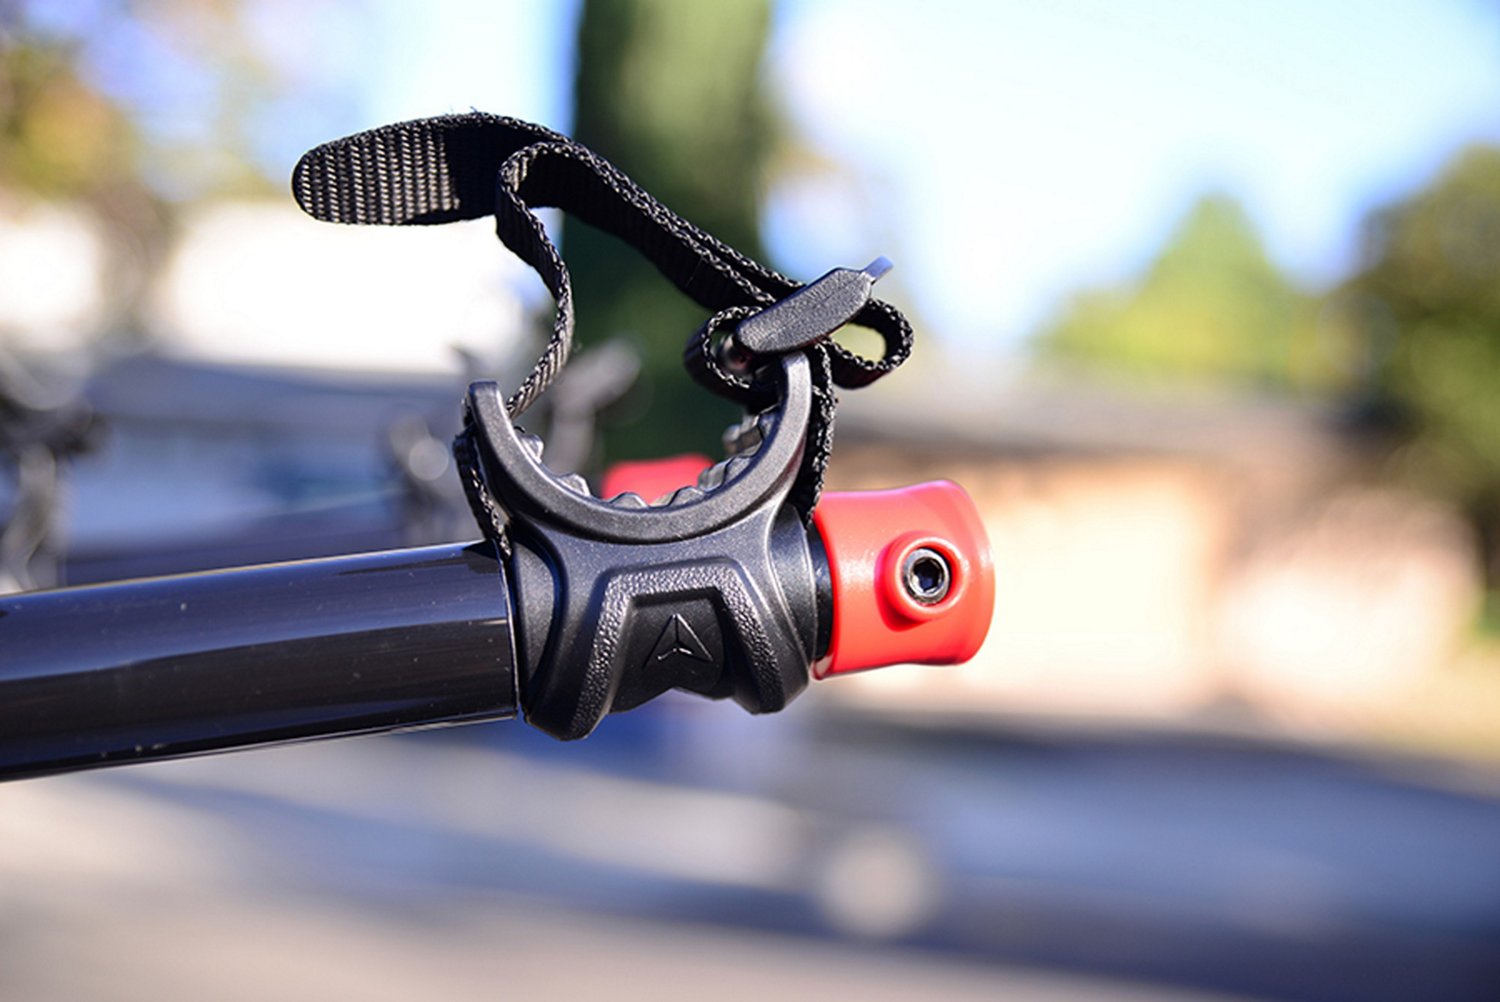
678	640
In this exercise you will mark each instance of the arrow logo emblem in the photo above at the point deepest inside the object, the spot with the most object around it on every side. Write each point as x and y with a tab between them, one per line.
677	639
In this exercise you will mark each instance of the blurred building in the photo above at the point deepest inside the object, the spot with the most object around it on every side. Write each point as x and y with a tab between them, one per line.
53	263
1212	557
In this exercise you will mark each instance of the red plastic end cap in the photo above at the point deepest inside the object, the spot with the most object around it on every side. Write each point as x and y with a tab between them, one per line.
913	577
653	478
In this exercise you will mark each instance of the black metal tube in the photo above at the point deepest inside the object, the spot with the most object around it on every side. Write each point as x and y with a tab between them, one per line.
172	666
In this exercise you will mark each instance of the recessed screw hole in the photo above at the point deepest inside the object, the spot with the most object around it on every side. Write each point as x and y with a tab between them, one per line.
927	576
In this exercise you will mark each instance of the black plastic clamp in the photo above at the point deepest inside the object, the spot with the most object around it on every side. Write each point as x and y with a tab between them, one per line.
713	589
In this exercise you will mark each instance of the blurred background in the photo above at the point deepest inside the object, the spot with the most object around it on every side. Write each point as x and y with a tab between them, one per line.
1208	313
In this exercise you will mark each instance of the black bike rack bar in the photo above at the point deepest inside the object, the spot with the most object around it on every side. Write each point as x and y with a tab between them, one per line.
165	667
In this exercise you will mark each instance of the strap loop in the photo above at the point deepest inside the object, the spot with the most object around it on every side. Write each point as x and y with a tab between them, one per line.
702	359
454	167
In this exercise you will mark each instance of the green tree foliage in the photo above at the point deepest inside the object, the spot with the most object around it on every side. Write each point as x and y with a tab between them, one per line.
171	96
59	138
670	91
131	110
62	139
1212	307
1427	308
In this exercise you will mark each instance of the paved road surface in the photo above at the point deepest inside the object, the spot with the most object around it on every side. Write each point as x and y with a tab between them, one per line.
1058	868
109	895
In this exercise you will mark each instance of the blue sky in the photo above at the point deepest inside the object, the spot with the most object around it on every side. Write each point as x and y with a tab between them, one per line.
1006	153
1032	147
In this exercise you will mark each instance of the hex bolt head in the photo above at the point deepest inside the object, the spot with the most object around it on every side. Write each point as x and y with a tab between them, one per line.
926	576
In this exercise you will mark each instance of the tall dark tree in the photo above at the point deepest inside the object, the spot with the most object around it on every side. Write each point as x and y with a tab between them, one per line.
670	91
1427	307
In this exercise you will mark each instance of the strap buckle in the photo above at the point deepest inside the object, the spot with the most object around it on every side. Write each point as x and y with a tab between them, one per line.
801	320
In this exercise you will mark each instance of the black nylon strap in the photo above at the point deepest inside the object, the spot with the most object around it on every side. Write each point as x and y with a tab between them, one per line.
456	167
